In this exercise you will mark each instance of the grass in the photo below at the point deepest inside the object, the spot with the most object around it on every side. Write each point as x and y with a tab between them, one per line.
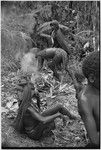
15	39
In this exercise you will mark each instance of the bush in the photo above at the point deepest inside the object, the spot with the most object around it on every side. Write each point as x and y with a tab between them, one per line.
13	45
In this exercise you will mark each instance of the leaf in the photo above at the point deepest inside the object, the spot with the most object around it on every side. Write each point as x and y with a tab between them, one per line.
14	107
11	104
62	87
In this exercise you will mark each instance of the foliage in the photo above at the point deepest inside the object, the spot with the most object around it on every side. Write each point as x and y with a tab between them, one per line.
22	24
14	45
33	18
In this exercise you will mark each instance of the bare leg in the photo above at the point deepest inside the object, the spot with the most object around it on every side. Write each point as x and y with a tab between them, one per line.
40	62
57	63
52	66
37	133
57	60
41	130
56	109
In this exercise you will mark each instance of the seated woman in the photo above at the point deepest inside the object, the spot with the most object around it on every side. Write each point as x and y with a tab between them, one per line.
32	121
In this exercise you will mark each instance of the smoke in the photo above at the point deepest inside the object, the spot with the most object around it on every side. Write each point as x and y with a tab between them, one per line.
29	63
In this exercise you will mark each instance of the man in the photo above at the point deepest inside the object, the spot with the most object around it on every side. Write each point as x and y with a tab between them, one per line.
88	98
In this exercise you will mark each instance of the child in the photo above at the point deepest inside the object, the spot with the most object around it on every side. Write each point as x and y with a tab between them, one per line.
88	98
32	121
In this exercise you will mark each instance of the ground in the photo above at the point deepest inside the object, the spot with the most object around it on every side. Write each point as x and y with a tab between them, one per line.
72	135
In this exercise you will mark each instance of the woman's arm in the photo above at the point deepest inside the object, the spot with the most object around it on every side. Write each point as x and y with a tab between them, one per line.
77	84
43	119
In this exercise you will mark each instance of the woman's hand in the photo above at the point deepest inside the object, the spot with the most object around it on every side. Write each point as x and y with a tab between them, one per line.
63	119
73	117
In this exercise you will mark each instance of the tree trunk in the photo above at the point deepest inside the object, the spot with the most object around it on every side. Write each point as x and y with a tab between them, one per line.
95	20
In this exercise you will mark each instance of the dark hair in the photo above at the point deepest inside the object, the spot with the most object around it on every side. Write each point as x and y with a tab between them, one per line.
26	100
91	64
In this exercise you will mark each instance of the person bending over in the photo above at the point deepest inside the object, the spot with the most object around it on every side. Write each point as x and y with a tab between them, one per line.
57	55
88	98
59	38
32	121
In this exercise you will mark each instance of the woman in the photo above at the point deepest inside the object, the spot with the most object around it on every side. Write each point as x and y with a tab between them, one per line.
30	120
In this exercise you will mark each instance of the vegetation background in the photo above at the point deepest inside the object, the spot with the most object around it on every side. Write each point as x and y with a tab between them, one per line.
21	24
21	19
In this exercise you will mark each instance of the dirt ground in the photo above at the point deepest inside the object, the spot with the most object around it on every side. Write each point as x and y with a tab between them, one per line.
72	135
